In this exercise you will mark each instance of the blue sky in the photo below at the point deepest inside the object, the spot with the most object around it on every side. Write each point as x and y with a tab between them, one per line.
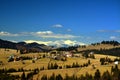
56	21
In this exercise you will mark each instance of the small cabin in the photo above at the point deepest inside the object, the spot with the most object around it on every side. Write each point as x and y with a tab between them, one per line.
68	54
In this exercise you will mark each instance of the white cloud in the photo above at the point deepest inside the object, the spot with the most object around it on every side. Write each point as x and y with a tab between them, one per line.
58	43
3	33
50	34
42	34
63	36
57	26
113	37
70	42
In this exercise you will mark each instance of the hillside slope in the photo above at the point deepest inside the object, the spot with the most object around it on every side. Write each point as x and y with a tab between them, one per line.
98	47
30	47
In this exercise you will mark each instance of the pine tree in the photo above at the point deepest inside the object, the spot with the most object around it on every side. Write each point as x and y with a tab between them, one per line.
106	76
82	77
52	77
116	73
73	65
102	60
88	76
112	69
66	77
23	76
77	65
97	75
55	66
119	74
51	66
29	76
89	62
59	77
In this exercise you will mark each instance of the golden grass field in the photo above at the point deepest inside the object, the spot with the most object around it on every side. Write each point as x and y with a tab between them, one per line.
43	62
101	46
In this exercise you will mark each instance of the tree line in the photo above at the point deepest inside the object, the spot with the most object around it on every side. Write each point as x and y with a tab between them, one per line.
114	43
107	75
112	51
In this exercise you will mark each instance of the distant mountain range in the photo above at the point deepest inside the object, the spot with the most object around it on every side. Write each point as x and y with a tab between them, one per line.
23	46
57	43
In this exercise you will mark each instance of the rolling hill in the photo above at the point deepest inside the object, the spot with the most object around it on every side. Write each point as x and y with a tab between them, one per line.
29	47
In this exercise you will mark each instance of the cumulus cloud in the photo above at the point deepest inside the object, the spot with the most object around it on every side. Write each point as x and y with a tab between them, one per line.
58	43
57	26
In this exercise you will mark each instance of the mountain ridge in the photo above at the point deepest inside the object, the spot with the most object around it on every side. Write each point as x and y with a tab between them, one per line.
29	47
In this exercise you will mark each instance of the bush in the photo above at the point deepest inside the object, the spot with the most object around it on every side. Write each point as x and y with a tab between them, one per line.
11	70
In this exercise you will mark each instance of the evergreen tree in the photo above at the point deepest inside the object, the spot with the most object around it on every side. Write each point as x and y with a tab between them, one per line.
119	74
89	62
116	73
88	76
82	77
52	77
23	76
97	75
106	76
74	77
73	65
55	66
51	66
59	77
77	65
112	69
29	76
66	77
102	60
35	71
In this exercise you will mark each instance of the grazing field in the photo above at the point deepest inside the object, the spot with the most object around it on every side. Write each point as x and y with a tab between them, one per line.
98	47
79	71
44	61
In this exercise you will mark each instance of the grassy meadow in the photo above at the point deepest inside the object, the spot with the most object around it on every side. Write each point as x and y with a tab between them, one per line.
43	62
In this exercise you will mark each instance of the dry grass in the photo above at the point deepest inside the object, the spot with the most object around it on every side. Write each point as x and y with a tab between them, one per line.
43	62
101	46
79	71
5	54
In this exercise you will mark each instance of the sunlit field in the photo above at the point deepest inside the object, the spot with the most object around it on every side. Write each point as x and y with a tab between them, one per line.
43	62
